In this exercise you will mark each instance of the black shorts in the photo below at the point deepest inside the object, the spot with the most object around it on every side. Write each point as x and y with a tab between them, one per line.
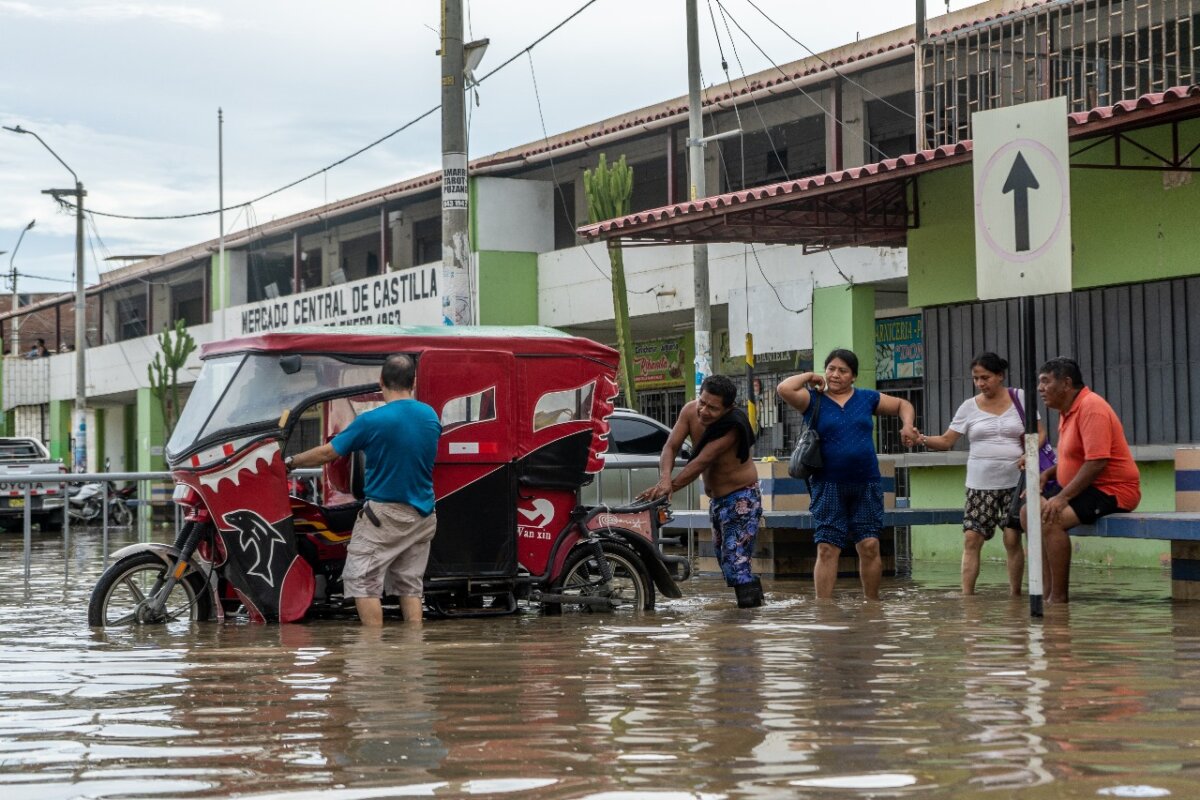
1091	504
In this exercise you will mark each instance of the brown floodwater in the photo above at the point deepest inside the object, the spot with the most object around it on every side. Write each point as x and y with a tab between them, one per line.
925	695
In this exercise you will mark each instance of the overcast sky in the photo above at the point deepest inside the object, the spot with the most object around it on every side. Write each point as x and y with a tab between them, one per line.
127	94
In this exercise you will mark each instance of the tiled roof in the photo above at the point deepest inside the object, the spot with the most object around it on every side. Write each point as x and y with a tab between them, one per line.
1147	109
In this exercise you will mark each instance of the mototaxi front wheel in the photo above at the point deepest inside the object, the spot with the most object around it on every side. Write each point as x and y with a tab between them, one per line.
629	590
120	594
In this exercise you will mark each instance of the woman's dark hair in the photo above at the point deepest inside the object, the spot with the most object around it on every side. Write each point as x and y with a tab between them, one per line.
991	362
845	355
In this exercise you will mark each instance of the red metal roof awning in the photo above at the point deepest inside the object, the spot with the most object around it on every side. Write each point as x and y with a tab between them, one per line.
868	205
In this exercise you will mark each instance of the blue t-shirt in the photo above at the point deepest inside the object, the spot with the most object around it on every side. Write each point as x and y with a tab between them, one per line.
400	441
847	437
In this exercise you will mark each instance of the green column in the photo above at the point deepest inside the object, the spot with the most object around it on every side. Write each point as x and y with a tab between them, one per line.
96	438
61	412
508	286
219	281
844	316
149	433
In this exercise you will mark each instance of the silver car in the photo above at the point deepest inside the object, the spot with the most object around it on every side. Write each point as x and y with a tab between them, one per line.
635	442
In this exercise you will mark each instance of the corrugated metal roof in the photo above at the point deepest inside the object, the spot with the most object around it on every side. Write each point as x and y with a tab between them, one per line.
683	222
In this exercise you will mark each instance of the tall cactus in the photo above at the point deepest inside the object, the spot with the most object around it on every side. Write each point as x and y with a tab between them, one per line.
608	191
176	346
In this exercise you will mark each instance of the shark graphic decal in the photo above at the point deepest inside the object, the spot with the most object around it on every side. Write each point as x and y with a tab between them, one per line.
255	535
251	462
540	515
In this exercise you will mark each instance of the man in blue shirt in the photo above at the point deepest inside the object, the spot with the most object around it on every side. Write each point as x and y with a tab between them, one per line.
389	548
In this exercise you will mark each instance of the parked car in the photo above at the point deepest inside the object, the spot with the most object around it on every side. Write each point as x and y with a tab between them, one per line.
24	457
635	442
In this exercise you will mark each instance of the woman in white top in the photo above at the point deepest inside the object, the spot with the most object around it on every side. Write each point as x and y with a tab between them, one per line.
994	427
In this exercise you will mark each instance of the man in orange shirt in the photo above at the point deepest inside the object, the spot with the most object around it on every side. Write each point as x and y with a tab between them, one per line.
1095	468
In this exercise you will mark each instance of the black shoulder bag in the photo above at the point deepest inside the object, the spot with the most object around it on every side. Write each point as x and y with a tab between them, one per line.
806	458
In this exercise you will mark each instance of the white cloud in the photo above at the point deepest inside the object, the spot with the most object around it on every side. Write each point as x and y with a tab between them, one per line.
114	12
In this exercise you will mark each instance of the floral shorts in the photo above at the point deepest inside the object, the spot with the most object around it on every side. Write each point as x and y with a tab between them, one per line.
735	519
986	510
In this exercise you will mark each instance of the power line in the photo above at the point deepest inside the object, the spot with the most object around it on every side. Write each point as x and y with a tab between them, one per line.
836	71
343	160
798	87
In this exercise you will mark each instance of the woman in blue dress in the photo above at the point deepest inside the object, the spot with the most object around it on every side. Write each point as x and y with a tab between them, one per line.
847	497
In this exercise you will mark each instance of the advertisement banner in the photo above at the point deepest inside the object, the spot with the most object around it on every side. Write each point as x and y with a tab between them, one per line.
659	363
405	297
899	348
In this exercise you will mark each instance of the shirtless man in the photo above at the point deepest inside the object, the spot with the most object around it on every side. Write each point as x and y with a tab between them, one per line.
721	438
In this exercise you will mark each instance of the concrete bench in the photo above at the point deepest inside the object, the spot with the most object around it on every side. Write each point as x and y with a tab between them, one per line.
1180	528
785	547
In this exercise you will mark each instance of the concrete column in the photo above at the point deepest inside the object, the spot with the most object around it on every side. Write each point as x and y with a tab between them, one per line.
60	430
844	316
150	433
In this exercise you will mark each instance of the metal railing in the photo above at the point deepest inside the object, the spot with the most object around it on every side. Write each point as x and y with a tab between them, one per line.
610	489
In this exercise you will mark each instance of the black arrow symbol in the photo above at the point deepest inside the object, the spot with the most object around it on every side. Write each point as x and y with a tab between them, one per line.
1020	180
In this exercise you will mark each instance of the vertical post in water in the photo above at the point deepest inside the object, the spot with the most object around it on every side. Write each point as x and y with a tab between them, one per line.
1033	492
702	316
28	532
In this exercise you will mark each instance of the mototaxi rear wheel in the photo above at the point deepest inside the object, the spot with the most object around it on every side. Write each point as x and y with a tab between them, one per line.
117	600
630	589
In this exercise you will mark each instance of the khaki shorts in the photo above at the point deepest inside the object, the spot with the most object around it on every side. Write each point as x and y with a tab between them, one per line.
389	559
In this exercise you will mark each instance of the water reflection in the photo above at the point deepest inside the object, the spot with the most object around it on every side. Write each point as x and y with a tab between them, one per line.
926	694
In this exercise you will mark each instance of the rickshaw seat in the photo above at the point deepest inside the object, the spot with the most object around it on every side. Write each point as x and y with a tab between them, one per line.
341	518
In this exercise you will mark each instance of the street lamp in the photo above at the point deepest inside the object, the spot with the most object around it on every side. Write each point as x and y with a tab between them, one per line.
16	300
80	311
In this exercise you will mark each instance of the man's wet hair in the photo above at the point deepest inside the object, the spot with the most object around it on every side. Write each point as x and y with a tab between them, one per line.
845	355
722	387
398	373
1060	368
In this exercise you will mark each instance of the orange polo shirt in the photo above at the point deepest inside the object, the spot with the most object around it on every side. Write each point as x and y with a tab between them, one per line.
1090	431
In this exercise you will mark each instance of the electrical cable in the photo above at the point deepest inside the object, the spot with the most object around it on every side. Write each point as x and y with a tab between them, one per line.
800	88
836	71
344	159
558	186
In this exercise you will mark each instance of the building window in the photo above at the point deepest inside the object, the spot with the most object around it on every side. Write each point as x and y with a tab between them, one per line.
269	275
427	241
564	215
187	302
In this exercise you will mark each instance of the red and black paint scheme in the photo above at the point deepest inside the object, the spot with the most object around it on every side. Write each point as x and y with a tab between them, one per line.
525	423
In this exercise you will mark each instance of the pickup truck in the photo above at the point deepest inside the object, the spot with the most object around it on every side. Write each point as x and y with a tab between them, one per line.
23	457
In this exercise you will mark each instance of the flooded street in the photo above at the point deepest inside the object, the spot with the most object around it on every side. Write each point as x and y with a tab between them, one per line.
925	695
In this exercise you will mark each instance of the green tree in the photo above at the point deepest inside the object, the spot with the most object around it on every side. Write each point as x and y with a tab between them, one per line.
176	345
608	191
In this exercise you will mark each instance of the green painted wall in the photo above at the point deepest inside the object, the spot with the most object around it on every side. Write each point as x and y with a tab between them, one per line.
60	430
508	288
1126	225
941	253
844	316
219	281
942	487
1155	235
149	433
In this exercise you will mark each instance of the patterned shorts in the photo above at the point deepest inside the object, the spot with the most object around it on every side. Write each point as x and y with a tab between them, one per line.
735	519
986	510
846	511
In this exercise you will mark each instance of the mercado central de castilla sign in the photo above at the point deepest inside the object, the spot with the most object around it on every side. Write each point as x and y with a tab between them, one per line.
405	297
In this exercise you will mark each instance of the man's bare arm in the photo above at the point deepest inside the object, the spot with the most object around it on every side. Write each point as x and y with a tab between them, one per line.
711	452
317	456
670	452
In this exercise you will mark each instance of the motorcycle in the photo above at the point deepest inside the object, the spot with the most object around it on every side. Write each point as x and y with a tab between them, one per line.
86	503
524	416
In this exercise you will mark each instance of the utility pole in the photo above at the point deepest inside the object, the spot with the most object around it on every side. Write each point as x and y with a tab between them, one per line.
458	303
80	308
221	273
703	311
920	31
16	299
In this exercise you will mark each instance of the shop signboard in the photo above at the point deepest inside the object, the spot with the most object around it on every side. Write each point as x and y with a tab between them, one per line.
659	363
899	348
404	297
